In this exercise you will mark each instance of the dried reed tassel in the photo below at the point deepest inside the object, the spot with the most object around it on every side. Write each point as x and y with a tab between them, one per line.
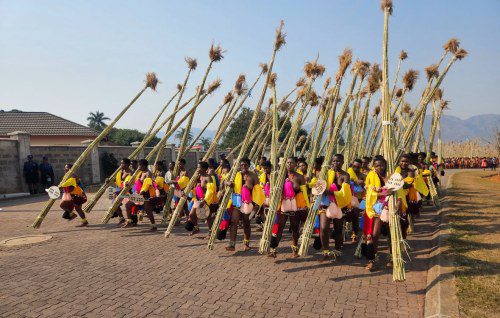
278	43
149	157
312	71
215	55
147	138
398	273
192	64
151	82
195	178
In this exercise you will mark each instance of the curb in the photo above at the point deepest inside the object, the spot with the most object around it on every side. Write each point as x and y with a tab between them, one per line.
440	297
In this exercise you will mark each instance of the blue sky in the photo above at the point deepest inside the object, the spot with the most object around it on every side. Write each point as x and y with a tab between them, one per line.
73	57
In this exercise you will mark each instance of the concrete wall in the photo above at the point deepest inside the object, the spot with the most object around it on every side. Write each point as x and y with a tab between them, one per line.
59	156
13	153
10	175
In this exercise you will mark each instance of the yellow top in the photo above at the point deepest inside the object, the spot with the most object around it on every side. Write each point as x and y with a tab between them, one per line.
160	183
71	182
303	189
262	179
372	181
183	182
343	196
147	186
118	179
238	183
352	174
209	193
312	182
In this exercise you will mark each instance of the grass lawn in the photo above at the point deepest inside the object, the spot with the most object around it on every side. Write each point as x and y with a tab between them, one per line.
474	200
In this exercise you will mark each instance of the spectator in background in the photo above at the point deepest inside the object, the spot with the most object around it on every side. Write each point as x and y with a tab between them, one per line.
46	173
30	171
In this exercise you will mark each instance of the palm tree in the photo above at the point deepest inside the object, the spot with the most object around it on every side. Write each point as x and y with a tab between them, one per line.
205	142
178	135
97	120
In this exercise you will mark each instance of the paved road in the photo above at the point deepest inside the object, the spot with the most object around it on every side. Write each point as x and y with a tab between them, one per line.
104	271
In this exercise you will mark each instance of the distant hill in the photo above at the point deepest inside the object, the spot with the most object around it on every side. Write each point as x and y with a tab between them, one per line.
452	128
456	129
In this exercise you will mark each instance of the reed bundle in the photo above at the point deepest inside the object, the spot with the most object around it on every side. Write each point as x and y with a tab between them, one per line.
278	43
147	138
150	156
223	126
312	70
215	54
151	82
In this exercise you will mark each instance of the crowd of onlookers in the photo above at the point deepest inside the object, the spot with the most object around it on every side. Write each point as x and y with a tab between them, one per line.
471	163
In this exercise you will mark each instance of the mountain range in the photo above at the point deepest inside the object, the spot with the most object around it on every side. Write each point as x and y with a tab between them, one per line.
452	128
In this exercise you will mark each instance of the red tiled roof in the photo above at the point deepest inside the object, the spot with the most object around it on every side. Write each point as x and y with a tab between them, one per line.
41	123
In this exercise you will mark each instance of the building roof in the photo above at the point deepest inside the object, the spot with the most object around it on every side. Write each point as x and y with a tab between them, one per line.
41	123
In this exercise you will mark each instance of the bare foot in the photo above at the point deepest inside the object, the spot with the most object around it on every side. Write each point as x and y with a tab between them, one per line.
153	229
230	248
127	225
83	224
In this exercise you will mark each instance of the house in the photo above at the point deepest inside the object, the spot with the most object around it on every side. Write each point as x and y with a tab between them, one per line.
45	129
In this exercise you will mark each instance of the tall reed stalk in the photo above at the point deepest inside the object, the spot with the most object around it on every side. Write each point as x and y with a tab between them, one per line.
151	82
228	191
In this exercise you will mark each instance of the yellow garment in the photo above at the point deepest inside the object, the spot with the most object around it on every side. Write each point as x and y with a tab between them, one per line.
258	168
312	182
352	174
238	183
160	183
183	182
147	186
128	178
258	196
118	179
343	197
372	181
401	194
209	193
262	179
71	182
330	179
302	198
421	186
218	170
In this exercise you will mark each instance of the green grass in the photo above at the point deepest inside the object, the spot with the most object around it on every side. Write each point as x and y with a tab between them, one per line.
475	243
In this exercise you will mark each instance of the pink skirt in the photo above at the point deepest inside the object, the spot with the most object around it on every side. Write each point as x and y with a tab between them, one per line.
333	211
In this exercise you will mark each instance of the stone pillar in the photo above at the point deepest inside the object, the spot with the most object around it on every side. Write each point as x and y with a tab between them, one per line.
23	150
172	153
95	164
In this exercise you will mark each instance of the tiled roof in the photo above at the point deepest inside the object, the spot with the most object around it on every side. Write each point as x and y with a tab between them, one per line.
41	123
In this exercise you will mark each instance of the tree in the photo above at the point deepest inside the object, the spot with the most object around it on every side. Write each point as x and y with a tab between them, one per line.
124	137
239	128
180	133
205	142
97	120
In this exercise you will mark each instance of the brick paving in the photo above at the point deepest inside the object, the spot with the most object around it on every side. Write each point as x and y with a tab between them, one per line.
104	271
